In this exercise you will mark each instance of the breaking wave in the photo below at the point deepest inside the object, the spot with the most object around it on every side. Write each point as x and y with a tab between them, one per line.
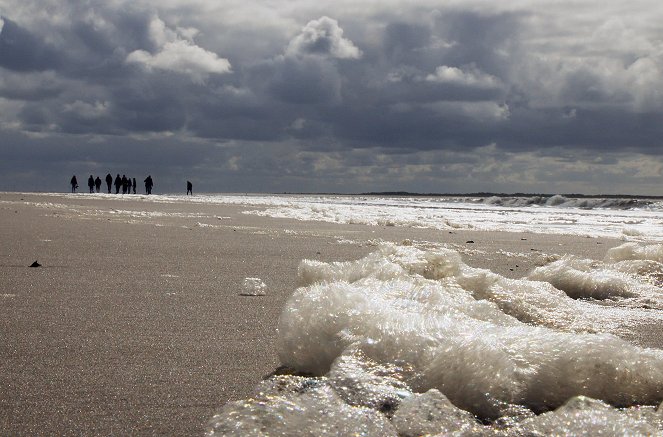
566	202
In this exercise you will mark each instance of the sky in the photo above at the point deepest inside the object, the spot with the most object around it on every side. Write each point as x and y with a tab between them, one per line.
334	96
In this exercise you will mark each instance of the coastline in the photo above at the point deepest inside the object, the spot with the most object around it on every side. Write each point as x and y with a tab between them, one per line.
134	323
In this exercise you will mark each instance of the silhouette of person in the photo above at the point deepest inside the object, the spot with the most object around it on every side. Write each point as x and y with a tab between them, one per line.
189	188
134	185
124	184
109	182
90	183
74	184
118	183
128	185
148	184
97	183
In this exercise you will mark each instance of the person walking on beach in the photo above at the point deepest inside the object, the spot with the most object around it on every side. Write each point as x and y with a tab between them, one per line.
97	184
74	184
118	183
189	188
109	182
128	185
134	185
90	184
124	184
148	184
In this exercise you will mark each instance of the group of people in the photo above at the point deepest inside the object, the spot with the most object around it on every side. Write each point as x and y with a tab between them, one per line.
121	183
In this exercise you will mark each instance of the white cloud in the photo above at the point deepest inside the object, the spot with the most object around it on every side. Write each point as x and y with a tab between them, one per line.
644	79
323	37
159	33
189	33
469	77
177	52
615	36
594	82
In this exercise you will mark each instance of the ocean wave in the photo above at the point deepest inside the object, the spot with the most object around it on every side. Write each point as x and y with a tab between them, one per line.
561	201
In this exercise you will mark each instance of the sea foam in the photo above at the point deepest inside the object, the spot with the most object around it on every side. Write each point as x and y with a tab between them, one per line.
631	273
625	218
404	331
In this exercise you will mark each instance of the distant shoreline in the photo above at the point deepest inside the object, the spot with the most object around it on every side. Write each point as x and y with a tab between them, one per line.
382	193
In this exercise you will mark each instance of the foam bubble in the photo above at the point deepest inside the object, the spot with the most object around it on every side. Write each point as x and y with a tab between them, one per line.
253	287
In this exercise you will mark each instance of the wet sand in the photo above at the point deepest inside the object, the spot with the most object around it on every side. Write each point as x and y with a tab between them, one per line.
134	323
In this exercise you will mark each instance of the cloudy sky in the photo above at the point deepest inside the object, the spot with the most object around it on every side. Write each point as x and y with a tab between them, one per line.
334	96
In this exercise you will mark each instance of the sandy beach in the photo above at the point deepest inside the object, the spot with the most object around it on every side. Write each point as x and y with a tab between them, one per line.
134	323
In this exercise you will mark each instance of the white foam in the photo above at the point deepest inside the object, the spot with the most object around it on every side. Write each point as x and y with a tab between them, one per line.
253	287
481	340
631	274
634	251
586	416
628	219
410	342
509	214
289	405
580	278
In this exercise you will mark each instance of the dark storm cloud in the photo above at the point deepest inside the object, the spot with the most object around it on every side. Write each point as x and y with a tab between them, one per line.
29	87
110	29
156	105
598	131
480	38
331	89
21	50
310	81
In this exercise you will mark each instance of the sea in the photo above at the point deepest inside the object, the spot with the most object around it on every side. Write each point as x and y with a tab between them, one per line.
411	341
